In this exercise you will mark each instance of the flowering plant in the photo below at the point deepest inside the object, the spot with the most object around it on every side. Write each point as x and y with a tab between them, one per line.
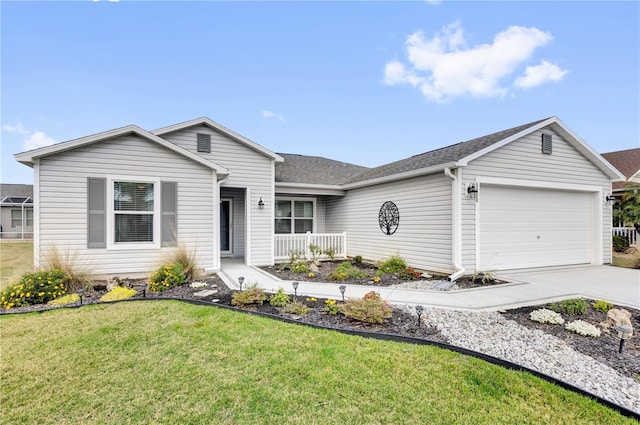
331	306
166	277
34	288
583	328
546	316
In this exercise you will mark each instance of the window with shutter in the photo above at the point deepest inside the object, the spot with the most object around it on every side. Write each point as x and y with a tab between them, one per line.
204	143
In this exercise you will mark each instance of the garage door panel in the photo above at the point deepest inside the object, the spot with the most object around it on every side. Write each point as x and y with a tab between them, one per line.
522	227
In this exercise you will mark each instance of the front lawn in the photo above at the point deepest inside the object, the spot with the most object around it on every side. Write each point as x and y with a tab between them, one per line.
16	257
171	362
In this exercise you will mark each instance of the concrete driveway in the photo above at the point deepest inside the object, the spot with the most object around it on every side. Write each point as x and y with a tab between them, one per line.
614	284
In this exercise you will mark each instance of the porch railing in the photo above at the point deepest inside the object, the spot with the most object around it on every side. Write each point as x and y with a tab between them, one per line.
627	232
284	245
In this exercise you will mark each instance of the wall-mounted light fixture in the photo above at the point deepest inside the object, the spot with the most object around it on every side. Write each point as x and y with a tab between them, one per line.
610	198
261	204
472	191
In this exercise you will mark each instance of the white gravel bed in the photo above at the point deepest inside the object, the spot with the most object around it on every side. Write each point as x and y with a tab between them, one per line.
492	334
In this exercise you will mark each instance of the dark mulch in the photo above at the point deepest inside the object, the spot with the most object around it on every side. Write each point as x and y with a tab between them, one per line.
325	269
603	349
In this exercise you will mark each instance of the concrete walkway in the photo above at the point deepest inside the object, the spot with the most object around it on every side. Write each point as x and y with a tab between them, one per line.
528	287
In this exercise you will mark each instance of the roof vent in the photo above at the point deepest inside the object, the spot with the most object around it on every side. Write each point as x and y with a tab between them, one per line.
204	143
547	143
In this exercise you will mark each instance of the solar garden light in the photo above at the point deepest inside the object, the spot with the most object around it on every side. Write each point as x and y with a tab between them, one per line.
240	280
80	292
342	289
295	289
419	310
624	333
144	291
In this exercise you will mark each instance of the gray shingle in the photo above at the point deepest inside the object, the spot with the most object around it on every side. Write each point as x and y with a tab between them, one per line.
315	170
16	190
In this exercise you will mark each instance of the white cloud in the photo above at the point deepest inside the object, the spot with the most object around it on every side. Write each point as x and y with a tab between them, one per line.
540	74
18	128
434	2
37	140
272	115
444	67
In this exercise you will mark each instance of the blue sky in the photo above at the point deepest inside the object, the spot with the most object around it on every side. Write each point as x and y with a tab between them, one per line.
362	82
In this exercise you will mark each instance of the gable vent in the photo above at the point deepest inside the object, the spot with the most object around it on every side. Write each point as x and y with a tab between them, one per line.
204	143
547	144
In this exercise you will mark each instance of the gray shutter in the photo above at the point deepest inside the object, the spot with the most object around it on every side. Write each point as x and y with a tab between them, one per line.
547	143
96	213
169	211
204	143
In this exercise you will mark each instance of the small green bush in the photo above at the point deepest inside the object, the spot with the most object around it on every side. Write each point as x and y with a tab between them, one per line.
370	309
357	259
330	252
620	243
315	252
166	277
345	270
484	276
34	288
299	267
67	299
297	308
331	306
555	307
574	306
602	306
249	296
118	293
393	265
279	299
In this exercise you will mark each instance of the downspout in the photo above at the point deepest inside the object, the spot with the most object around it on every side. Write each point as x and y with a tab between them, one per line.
456	251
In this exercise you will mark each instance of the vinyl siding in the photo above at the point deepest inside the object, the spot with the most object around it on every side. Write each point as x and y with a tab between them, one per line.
248	169
423	237
523	160
63	201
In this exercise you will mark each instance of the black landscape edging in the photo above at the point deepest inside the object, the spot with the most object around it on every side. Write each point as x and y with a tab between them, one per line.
382	337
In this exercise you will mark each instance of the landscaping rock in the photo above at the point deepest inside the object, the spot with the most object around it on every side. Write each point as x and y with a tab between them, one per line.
113	282
205	293
617	317
314	268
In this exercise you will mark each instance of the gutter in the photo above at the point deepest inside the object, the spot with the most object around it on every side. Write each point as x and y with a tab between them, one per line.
456	216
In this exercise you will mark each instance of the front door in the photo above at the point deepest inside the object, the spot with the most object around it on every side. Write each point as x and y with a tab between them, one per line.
226	226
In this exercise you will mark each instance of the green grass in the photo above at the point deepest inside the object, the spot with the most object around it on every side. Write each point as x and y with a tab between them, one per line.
16	258
171	362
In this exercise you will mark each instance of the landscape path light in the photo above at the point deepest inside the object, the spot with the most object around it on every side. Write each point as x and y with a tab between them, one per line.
342	289
80	292
295	289
240	280
624	333
419	310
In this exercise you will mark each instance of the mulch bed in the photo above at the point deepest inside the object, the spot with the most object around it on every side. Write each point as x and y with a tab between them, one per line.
325	268
604	349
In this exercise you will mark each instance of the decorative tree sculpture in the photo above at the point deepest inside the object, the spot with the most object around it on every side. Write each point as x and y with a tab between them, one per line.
388	218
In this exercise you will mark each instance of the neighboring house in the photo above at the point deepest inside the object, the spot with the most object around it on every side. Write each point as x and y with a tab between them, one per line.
16	211
534	195
628	163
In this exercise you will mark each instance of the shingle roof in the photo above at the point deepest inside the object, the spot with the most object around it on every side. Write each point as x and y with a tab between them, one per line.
315	170
626	161
16	190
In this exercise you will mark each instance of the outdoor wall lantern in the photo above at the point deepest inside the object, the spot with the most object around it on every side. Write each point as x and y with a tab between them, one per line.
295	289
610	198
80	292
240	280
472	191
624	333
342	288
419	311
261	204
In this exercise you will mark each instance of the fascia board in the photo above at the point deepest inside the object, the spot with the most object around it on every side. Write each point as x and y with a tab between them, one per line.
400	176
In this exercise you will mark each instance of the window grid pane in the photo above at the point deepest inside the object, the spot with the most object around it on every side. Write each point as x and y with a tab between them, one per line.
304	209
134	228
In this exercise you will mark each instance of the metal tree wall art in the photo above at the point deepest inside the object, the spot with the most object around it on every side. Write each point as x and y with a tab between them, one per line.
389	217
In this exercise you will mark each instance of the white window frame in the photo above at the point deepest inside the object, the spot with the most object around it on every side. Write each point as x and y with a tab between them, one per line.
111	214
293	218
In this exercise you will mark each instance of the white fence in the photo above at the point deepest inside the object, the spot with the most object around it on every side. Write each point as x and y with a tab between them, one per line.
628	232
284	245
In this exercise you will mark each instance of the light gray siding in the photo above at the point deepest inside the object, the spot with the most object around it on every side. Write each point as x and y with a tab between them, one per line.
523	160
63	201
423	237
249	169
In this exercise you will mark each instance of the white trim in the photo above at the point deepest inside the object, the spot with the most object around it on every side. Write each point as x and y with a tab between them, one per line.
272	214
111	216
292	218
217	184
401	176
309	189
222	129
247	211
501	181
36	214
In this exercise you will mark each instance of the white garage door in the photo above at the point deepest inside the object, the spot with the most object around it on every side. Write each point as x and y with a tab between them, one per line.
522	228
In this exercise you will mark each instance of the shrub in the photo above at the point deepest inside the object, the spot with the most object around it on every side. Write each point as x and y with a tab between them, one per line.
331	306
166	277
249	296
484	276
34	288
555	307
77	275
299	267
620	243
583	328
574	306
602	306
64	300
297	308
393	265
370	309
118	293
187	259
546	316
330	252
294	256
279	299
346	270
315	252
357	259
411	274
